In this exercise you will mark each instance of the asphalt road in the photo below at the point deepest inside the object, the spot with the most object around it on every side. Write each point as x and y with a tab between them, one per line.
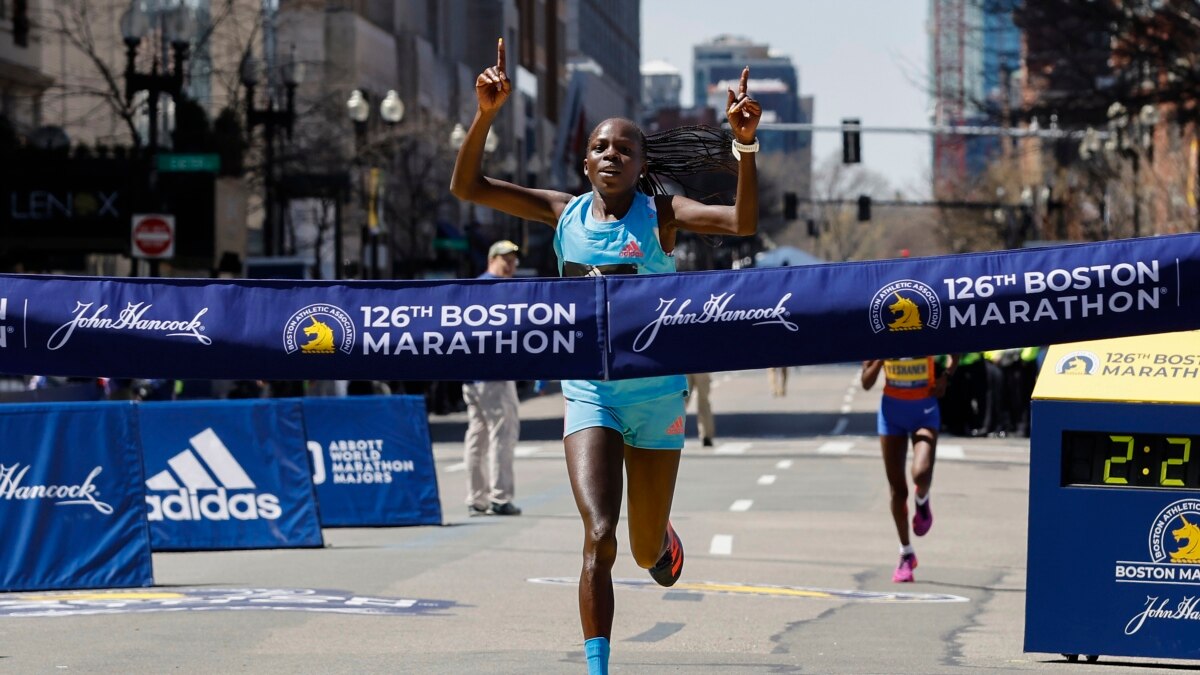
790	551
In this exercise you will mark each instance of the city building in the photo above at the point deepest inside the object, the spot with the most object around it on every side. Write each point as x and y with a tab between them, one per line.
717	67
975	66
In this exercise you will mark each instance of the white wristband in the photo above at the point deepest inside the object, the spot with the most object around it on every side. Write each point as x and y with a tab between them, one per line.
739	148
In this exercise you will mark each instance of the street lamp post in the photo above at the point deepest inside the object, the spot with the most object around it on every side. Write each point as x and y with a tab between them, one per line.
391	111
458	136
1130	135
178	28
272	120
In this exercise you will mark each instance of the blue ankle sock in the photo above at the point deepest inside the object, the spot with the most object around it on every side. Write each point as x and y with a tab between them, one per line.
596	650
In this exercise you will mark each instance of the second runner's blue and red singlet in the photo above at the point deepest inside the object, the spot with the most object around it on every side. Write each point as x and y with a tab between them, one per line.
909	378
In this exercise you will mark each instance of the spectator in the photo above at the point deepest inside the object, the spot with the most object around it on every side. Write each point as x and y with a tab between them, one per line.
492	422
698	388
778	379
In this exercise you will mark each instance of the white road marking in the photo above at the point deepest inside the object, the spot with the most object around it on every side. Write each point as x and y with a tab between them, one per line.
456	467
784	464
732	448
722	544
835	448
845	410
950	452
526	450
767	479
741	505
848	397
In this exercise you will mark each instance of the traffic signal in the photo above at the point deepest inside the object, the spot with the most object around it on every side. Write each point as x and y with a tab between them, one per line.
789	206
851	141
864	208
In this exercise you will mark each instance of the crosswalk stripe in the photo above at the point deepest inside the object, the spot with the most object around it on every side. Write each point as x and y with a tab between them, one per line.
950	452
732	448
835	448
784	464
741	505
722	544
767	479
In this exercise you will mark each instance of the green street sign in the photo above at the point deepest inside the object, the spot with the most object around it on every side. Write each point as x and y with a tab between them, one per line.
451	244
175	163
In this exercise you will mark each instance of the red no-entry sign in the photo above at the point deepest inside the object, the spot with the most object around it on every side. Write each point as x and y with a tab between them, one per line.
153	236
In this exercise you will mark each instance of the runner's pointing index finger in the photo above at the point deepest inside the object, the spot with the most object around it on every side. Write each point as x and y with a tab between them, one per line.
500	55
744	81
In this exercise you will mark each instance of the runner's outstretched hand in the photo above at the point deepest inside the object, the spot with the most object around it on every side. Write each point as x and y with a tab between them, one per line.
743	112
493	86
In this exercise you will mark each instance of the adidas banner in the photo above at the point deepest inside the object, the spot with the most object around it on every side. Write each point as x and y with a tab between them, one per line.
597	327
72	498
227	475
372	461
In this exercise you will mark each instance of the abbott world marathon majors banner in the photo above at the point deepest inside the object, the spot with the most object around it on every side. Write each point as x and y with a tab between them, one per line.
372	461
72	506
597	327
227	475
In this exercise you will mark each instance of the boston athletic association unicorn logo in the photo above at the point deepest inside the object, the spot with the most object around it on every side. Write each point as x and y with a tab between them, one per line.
319	329
906	304
1189	552
320	338
910	314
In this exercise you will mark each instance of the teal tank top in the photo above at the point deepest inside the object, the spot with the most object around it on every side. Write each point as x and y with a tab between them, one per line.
586	247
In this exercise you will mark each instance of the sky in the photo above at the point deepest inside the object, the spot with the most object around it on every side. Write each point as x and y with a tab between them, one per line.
858	58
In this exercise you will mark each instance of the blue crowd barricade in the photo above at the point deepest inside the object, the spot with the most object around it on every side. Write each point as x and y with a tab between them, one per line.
72	499
227	475
372	461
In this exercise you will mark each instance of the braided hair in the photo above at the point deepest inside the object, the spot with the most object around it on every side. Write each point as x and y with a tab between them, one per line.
679	154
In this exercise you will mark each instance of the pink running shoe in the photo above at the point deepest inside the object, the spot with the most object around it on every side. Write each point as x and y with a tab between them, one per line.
904	571
922	518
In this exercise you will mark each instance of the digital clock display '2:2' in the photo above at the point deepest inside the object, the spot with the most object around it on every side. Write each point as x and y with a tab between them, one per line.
1130	460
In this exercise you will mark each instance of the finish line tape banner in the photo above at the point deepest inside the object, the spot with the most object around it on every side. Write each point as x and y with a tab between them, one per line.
597	327
72	500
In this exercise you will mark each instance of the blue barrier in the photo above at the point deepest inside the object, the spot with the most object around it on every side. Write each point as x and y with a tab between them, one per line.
372	461
227	475
563	328
72	500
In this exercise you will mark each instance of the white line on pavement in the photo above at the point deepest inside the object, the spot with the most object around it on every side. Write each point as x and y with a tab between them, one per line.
722	544
845	410
950	452
784	464
732	448
835	448
741	505
456	467
767	479
526	450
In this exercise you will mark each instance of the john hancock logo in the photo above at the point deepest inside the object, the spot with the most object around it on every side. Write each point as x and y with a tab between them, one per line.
1174	561
905	305
1077	363
319	329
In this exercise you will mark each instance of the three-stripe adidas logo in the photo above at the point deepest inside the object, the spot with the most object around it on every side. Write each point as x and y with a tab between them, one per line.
631	250
201	479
